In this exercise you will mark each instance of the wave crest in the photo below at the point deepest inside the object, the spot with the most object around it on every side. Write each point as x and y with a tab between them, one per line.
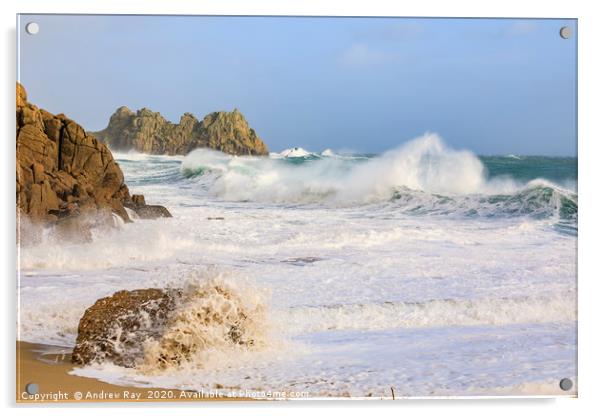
421	176
538	199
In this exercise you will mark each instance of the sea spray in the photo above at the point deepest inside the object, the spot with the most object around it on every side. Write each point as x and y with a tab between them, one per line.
425	164
116	245
157	329
211	319
422	176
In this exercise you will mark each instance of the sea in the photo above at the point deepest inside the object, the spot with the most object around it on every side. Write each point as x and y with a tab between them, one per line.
421	271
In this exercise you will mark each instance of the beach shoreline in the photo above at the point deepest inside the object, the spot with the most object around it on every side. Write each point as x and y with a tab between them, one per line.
48	366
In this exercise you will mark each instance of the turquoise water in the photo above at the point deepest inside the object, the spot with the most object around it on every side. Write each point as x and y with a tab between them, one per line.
562	170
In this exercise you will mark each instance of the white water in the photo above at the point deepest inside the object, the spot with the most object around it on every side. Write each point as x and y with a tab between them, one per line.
421	171
359	298
421	165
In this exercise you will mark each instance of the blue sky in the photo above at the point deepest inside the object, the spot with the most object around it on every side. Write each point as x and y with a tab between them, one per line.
494	86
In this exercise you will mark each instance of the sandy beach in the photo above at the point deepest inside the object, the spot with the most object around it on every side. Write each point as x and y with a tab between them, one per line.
49	366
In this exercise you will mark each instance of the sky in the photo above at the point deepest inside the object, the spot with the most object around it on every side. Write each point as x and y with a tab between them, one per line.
492	86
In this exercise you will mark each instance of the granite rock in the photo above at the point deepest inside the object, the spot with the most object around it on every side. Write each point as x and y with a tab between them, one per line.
149	132
63	171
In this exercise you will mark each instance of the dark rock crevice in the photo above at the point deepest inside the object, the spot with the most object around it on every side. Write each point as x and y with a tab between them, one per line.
60	149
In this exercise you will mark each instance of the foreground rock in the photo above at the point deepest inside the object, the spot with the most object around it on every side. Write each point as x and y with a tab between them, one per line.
149	132
115	328
152	329
64	173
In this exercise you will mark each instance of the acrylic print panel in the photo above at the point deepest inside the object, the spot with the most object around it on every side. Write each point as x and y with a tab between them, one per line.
295	207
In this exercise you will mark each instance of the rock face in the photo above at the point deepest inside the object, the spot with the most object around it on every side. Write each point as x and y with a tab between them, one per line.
144	211
64	172
115	327
149	132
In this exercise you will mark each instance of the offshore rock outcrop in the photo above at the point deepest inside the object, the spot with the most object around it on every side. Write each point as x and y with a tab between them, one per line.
149	132
64	176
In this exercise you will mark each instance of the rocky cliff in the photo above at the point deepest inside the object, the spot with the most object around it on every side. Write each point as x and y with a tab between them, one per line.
149	132
64	172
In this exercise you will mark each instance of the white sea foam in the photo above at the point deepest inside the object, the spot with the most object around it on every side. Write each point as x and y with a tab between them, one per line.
212	319
135	156
295	152
361	295
449	312
425	164
138	242
413	362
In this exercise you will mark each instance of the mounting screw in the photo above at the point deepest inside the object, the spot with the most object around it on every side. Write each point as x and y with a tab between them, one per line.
566	384
32	28
565	32
31	388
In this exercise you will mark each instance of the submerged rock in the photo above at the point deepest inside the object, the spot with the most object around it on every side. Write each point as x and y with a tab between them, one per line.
63	171
149	132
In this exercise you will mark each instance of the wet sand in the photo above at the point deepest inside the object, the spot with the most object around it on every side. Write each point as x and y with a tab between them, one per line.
48	366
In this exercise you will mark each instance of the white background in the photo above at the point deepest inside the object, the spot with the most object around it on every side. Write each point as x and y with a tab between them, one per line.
590	191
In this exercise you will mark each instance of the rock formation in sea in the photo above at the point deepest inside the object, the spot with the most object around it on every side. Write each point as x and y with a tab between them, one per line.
149	132
65	174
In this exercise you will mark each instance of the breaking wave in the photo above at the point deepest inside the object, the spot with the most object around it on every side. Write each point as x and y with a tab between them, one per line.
423	176
538	199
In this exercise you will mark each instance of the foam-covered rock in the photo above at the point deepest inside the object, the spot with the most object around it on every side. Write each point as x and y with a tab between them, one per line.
153	329
115	327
